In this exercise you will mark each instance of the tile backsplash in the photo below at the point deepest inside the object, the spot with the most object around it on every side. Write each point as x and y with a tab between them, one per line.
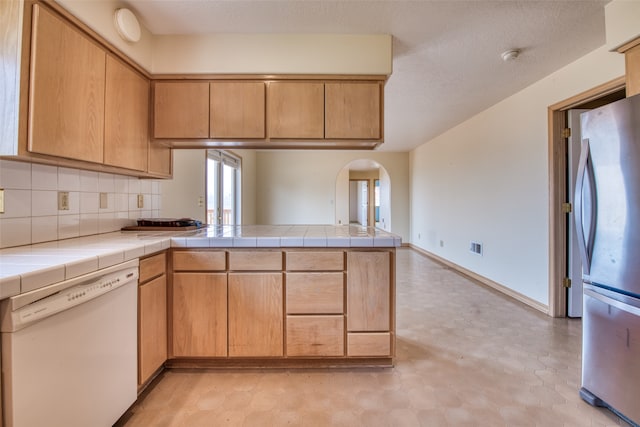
31	212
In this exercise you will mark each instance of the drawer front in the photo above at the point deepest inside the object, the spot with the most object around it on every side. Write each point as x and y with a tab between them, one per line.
255	260
315	261
315	336
315	293
375	344
152	267
199	261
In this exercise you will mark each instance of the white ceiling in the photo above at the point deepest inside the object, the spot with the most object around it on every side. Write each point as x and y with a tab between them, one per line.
446	54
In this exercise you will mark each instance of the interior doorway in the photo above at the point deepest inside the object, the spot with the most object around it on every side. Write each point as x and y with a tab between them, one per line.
359	202
560	198
363	195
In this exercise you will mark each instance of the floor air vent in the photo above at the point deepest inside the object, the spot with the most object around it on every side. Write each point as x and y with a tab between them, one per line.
476	248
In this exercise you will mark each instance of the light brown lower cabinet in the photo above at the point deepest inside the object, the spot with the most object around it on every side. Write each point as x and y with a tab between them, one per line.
277	304
255	315
152	316
153	327
315	335
199	315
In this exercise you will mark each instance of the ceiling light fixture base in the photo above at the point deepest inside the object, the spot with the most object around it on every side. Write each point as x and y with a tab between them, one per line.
127	25
510	55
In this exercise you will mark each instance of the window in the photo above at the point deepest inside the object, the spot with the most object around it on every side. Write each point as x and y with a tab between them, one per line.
223	188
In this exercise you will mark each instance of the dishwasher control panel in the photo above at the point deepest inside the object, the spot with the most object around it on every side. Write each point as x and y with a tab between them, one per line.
71	297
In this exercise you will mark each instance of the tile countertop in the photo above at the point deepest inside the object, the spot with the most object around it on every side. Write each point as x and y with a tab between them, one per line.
25	268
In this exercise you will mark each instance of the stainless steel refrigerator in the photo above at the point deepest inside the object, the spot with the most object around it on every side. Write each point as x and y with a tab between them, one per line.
607	209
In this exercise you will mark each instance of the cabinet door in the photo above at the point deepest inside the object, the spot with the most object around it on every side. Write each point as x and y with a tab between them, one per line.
352	110
152	302
126	134
295	110
199	314
632	61
181	110
255	314
160	160
237	110
66	105
368	291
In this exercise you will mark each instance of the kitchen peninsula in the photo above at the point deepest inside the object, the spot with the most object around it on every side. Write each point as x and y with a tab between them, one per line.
282	294
256	295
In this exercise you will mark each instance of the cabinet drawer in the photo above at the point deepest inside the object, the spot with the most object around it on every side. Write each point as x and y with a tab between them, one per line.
152	267
315	293
255	261
199	261
315	261
369	344
315	336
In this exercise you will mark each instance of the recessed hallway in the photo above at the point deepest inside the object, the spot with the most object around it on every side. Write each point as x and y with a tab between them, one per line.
466	356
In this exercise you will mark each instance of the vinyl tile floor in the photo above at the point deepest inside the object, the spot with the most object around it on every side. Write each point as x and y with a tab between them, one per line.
466	356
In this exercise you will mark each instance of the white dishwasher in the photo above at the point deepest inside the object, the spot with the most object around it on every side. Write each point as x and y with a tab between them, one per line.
69	351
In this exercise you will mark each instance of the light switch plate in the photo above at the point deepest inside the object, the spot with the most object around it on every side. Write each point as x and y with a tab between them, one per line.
63	200
103	201
140	201
1	200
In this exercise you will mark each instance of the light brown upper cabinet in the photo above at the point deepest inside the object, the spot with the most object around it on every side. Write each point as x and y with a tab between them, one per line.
160	160
295	110
352	110
632	61
126	134
67	91
237	110
88	107
270	112
181	110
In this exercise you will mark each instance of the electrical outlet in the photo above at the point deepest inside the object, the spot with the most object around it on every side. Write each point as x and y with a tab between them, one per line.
1	200
104	203
63	200
140	201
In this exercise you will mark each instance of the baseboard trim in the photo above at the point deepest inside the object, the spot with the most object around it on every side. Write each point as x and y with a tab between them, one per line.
484	281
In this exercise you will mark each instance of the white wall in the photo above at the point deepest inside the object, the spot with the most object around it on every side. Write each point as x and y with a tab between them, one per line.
487	180
248	185
385	200
621	22
273	54
299	187
181	195
241	53
353	201
98	15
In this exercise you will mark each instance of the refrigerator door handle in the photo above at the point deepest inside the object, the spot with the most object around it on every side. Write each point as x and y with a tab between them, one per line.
585	243
612	302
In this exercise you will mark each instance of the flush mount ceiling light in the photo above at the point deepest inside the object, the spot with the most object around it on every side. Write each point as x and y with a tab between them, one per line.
127	25
510	55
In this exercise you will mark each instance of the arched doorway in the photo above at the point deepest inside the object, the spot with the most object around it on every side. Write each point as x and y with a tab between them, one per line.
363	194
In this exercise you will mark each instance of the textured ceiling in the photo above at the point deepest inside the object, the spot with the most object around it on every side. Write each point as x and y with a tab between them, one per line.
446	54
